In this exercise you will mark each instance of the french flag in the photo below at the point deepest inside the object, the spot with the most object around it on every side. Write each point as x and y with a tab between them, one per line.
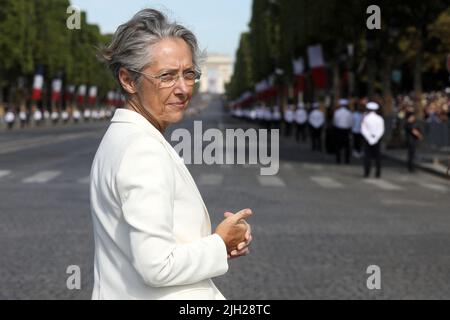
56	89
81	94
69	94
38	83
317	65
92	95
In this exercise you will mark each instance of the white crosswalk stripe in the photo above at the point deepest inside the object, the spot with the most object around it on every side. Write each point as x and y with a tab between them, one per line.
4	173
210	179
271	181
383	184
434	186
327	182
42	177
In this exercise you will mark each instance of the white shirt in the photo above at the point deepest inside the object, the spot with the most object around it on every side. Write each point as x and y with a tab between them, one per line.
276	115
356	123
23	115
152	229
301	116
9	117
65	115
289	115
316	118
342	118
372	128
37	115
76	114
54	115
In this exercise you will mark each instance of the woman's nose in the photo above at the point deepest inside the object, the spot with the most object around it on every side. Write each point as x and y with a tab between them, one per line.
181	87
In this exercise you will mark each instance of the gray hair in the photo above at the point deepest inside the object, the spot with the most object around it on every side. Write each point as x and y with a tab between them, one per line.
131	44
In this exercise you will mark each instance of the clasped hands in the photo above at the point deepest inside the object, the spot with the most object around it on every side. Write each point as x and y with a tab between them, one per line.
236	233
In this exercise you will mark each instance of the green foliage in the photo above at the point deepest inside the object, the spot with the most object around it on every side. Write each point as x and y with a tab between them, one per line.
35	33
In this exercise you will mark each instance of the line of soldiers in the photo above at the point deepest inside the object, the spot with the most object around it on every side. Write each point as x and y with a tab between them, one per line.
340	128
39	117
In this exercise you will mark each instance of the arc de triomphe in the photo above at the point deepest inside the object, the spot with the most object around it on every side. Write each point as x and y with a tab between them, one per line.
216	72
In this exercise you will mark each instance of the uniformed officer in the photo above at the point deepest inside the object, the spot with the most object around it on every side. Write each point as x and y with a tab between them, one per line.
288	119
316	120
372	129
301	117
413	135
276	117
10	117
23	117
342	122
76	115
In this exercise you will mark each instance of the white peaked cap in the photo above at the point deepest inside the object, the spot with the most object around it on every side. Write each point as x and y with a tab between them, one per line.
372	106
343	102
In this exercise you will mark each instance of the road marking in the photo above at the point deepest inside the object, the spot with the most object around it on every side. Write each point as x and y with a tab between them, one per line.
84	180
383	184
210	179
271	181
42	177
434	186
4	173
24	144
327	182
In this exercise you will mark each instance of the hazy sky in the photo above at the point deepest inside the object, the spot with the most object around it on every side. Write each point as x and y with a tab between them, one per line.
217	23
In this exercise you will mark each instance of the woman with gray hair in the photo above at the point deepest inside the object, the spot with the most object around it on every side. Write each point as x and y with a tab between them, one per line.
152	229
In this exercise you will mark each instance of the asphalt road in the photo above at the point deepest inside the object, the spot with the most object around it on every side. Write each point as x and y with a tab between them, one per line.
317	226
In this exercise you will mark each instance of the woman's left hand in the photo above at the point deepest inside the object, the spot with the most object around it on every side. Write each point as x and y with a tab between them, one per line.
242	248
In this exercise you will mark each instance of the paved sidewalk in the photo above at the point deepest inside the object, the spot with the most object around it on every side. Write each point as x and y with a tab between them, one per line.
434	162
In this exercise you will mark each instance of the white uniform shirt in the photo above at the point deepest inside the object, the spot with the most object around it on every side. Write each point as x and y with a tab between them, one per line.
289	115
37	115
356	124
342	118
9	117
316	119
301	116
276	115
22	115
372	128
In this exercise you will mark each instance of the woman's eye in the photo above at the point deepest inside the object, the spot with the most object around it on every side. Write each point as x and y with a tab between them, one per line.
190	75
165	77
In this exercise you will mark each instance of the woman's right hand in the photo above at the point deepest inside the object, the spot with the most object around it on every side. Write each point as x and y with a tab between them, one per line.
232	230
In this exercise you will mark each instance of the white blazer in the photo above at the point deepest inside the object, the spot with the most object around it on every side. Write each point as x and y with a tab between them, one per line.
151	227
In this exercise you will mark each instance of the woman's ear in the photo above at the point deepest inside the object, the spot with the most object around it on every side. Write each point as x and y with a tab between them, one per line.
126	81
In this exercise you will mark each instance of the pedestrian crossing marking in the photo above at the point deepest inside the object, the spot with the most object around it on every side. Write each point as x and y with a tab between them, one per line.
383	184
84	180
210	179
327	182
4	173
271	181
42	177
434	187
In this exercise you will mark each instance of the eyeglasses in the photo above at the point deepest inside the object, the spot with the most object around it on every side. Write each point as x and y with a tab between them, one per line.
169	78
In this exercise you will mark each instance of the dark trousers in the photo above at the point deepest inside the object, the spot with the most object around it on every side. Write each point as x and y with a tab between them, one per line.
301	131
411	155
287	129
316	139
372	152
357	142
342	143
